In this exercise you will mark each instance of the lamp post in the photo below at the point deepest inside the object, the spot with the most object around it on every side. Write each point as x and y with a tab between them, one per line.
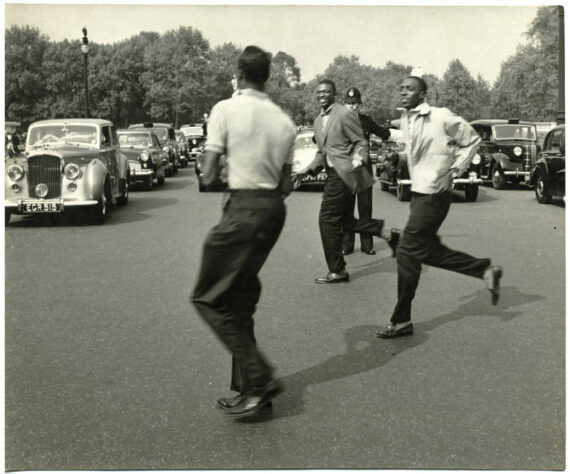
561	115
85	51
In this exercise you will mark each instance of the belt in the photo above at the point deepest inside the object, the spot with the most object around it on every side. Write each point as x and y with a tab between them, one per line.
255	193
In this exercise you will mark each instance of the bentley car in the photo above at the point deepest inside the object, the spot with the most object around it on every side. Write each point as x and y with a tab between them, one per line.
196	138
549	173
147	160
68	164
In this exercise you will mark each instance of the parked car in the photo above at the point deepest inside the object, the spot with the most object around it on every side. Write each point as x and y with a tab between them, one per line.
182	148
392	171
196	137
67	164
304	154
508	150
147	160
167	139
549	173
220	184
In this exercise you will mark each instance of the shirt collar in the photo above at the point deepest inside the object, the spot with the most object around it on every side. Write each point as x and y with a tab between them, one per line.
251	92
420	109
327	111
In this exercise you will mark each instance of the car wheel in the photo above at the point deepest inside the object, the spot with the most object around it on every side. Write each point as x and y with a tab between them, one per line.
499	181
384	186
542	191
471	192
160	180
7	215
403	192
168	172
99	211
148	184
123	199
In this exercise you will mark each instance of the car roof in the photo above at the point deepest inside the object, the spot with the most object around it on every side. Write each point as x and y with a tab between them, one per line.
74	120
131	130
491	122
152	125
557	127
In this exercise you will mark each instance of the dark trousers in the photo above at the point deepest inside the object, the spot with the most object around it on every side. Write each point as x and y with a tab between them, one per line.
364	201
337	216
419	244
228	288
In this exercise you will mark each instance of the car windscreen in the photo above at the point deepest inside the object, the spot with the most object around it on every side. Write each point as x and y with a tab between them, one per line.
136	140
161	133
514	132
304	141
192	131
53	133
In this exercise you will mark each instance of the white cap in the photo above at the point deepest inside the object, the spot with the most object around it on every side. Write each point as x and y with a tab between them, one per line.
417	72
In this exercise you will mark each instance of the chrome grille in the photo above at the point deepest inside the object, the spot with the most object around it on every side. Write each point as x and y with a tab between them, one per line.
44	169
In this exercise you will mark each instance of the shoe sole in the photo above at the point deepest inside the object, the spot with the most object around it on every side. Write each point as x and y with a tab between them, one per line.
345	280
408	332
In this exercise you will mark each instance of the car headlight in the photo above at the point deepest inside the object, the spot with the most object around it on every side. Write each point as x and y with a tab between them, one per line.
166	149
15	172
72	171
145	156
476	159
517	151
194	141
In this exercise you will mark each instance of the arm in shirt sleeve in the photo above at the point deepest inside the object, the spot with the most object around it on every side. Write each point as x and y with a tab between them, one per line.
382	132
353	130
465	139
215	145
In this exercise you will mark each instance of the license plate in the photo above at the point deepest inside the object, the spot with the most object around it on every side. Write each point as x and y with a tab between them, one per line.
42	207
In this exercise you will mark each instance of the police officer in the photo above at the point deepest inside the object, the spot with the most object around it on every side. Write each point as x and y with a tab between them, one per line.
353	101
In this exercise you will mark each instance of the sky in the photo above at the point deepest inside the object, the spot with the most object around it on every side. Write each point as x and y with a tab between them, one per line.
482	37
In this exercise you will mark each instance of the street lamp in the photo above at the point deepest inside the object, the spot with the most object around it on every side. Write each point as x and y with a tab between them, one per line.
85	51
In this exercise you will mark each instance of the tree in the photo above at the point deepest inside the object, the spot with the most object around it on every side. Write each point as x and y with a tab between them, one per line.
527	86
283	85
24	81
175	76
458	91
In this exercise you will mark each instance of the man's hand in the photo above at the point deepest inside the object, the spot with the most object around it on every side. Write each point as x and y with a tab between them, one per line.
357	162
298	176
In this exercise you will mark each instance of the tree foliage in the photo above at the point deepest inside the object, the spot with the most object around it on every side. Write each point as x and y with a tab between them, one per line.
177	77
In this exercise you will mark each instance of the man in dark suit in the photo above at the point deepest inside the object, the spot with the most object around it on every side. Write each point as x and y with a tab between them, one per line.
342	151
353	101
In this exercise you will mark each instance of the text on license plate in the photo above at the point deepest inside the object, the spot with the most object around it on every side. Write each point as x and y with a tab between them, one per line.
42	207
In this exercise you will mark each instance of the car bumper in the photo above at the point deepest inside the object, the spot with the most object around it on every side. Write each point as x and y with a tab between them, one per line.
41	206
142	175
467	181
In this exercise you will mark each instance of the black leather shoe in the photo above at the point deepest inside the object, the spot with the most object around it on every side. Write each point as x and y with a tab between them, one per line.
254	402
228	403
492	277
333	278
347	252
369	252
394	240
391	331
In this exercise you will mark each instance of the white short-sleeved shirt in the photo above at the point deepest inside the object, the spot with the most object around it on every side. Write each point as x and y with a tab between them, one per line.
256	136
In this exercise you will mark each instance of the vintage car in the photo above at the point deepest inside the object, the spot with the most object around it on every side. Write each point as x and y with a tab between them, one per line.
305	150
220	184
196	138
182	148
167	139
392	171
68	164
508	150
147	160
549	173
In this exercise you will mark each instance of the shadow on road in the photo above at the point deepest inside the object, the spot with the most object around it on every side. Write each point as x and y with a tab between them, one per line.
376	352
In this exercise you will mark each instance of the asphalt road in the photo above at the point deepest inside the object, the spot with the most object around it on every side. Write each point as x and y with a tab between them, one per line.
108	366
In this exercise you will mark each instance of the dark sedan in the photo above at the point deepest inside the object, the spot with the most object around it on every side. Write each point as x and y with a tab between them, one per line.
549	173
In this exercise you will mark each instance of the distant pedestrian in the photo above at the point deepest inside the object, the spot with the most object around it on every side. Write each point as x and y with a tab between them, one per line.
353	101
439	147
257	138
342	151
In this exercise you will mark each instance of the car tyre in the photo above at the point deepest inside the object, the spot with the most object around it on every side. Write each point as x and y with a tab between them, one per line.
384	186
7	216
471	192
403	192
160	180
123	199
148	184
498	179
101	209
542	191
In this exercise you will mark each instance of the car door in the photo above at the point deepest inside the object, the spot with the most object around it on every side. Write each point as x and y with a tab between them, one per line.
554	151
109	154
